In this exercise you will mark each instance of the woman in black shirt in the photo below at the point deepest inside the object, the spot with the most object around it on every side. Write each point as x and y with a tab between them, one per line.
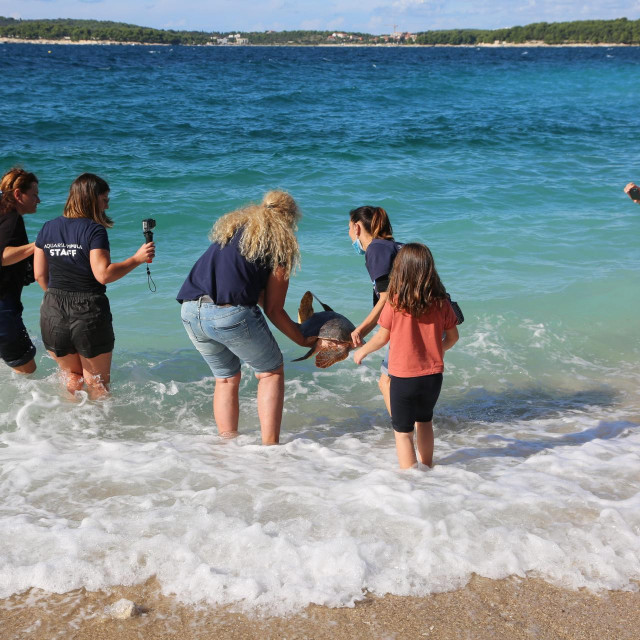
18	196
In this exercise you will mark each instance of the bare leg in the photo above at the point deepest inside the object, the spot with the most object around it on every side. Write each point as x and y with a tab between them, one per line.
405	450
27	367
71	370
384	384
226	405
97	374
270	403
425	442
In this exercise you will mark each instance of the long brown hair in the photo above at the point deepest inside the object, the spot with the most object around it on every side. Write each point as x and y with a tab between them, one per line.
375	221
414	283
15	178
269	231
83	199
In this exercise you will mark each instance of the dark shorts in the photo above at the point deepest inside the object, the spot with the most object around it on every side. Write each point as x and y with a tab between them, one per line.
413	400
16	347
76	322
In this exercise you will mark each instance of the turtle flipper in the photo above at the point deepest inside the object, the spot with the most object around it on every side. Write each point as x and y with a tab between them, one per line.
306	355
305	310
326	307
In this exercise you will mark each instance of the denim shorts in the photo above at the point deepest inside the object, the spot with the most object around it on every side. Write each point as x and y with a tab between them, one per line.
16	347
225	336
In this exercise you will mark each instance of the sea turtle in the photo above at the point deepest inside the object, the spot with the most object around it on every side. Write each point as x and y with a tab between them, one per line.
333	331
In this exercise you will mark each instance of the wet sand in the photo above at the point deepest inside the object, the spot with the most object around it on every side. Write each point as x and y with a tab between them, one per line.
511	609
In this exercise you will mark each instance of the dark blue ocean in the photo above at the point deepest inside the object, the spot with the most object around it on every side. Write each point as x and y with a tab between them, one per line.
508	162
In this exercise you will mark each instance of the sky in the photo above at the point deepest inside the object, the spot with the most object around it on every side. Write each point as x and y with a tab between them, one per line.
370	16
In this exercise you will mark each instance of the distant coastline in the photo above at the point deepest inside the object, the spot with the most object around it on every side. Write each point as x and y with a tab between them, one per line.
483	45
580	33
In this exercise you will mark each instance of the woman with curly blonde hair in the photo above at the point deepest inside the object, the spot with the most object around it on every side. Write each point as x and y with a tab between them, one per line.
253	253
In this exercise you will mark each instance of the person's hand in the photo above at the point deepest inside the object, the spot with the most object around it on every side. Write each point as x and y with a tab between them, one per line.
310	341
145	253
358	356
633	191
356	338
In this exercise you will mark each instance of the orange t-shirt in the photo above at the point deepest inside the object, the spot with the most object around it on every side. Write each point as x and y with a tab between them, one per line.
415	345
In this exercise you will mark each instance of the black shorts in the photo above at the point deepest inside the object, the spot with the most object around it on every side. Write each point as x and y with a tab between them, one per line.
16	347
76	322
413	400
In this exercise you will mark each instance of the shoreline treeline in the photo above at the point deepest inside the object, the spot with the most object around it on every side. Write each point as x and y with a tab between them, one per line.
619	31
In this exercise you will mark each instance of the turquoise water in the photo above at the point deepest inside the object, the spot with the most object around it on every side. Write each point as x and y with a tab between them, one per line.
508	163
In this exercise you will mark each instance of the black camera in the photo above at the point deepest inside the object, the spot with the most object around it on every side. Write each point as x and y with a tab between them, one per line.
634	193
148	224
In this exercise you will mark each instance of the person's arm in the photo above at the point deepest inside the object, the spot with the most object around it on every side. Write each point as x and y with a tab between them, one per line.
450	338
41	268
377	342
105	271
275	294
369	323
12	255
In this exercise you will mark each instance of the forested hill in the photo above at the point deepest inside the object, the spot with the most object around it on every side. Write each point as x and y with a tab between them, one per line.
620	31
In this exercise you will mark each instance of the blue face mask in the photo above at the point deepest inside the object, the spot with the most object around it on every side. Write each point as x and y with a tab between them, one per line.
357	247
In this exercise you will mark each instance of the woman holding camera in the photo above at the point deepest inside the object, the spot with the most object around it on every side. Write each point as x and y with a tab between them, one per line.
18	197
72	263
253	253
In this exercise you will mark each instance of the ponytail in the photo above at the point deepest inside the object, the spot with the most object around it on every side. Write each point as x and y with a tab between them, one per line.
374	220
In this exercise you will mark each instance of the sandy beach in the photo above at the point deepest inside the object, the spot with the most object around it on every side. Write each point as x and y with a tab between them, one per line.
509	609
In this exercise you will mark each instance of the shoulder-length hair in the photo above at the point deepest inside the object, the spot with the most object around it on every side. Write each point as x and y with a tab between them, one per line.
375	221
414	283
15	178
83	199
268	231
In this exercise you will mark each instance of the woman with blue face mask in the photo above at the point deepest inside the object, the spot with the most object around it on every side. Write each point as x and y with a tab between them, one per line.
372	236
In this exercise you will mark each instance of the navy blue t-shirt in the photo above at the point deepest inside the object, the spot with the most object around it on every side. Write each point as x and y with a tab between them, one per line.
379	259
67	243
226	276
12	234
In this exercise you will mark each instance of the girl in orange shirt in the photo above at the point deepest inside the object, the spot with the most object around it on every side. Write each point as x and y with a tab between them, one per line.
413	321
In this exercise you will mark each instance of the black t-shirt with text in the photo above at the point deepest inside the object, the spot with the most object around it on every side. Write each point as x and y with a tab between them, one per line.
67	243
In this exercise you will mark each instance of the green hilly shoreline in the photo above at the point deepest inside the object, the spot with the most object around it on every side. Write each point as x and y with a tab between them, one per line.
620	31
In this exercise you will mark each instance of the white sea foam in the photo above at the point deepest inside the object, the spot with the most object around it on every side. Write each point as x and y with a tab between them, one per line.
527	482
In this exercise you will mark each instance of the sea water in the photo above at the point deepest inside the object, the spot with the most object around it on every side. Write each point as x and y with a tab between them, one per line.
508	163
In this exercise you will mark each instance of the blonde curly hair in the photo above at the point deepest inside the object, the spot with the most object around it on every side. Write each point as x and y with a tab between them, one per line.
269	231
